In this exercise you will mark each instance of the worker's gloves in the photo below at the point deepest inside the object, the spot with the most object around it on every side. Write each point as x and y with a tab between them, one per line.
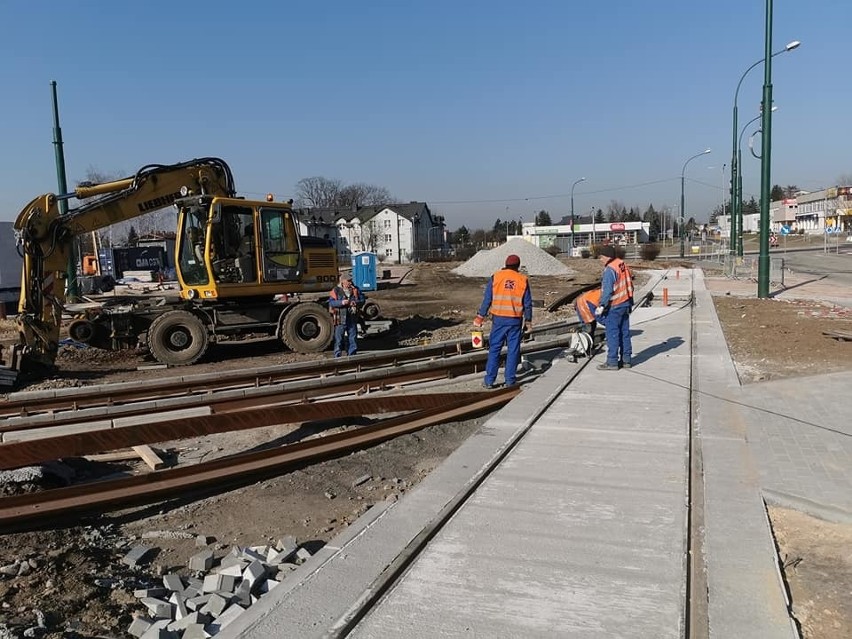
599	311
527	328
478	321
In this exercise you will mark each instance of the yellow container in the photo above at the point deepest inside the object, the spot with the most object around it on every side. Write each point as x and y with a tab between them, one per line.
476	339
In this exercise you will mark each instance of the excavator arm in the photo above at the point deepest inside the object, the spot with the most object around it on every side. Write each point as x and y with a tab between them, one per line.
45	238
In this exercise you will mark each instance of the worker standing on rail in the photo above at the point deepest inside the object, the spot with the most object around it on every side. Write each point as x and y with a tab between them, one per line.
344	302
508	296
615	305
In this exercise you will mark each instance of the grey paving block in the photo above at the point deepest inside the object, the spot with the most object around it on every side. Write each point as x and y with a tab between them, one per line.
138	556
201	561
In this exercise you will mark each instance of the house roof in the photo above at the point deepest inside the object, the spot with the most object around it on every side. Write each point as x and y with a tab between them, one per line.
364	213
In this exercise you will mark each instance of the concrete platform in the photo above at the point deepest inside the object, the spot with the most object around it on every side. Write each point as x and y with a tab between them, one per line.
581	530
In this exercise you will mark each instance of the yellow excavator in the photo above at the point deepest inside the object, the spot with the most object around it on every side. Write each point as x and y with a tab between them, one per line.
242	267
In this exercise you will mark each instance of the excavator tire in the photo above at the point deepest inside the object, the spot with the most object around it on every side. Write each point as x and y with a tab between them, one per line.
371	310
307	328
177	338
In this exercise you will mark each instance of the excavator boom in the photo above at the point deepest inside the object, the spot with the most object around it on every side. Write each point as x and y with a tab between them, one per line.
45	238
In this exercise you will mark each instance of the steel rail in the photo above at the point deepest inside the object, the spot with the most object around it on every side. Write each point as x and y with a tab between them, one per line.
236	399
238	469
21	453
26	403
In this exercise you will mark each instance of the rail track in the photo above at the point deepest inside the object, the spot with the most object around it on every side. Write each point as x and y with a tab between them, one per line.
41	426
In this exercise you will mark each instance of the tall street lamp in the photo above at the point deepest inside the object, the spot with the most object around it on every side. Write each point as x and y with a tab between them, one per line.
734	166
582	179
765	162
739	191
682	205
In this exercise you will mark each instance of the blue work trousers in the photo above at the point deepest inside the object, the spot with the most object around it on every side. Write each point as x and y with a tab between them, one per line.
348	328
619	348
504	330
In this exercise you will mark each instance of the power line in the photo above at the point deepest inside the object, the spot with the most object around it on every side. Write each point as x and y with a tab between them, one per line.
556	196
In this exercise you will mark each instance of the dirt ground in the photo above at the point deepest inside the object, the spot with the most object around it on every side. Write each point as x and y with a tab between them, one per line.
817	560
75	577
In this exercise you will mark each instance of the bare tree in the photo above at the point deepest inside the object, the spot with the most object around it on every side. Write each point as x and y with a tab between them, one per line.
361	194
616	211
318	192
370	236
322	192
844	179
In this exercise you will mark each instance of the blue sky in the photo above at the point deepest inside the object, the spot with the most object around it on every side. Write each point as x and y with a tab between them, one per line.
472	106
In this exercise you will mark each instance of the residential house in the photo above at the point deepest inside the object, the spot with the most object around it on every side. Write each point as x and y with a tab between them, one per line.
397	233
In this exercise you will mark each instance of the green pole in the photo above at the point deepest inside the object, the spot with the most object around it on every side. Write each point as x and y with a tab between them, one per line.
740	204
765	162
735	167
71	269
680	226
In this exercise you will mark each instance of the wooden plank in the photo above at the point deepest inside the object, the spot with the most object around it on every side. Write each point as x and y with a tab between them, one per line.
844	335
149	456
119	455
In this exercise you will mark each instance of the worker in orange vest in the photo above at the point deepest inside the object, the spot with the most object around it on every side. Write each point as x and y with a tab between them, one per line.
585	305
508	296
615	305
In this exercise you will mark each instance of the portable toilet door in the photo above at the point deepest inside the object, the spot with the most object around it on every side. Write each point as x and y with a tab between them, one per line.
364	271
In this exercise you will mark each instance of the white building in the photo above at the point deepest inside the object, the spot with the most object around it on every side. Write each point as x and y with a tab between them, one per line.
586	234
397	233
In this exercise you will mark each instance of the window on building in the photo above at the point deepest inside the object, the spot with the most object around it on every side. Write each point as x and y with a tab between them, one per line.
389	252
388	237
387	224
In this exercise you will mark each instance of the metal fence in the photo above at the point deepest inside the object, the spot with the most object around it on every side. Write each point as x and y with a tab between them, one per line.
745	267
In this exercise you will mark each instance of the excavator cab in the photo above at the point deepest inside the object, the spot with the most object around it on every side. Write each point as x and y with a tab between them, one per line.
234	248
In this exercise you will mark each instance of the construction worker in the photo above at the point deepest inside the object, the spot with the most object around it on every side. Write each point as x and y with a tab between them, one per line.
585	305
344	302
508	296
615	305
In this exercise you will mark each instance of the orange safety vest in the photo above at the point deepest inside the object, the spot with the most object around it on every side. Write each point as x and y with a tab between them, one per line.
623	289
507	293
592	297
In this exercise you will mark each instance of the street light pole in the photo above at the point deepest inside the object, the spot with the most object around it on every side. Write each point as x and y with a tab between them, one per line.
682	196
736	207
582	179
740	181
765	163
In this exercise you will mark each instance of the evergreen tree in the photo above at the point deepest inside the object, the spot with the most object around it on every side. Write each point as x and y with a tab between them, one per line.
543	219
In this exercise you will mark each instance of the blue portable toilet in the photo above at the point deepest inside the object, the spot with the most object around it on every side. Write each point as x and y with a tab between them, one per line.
364	271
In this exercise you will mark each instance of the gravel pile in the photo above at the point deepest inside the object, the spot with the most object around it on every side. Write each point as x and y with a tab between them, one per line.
534	261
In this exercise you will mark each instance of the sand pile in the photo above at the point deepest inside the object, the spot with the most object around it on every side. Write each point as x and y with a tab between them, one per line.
534	261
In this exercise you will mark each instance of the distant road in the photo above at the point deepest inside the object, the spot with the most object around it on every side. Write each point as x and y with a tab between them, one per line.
835	268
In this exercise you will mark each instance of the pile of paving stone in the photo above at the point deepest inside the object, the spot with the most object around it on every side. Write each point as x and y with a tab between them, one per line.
217	593
534	261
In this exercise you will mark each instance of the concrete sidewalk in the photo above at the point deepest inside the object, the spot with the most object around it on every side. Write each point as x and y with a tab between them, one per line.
582	528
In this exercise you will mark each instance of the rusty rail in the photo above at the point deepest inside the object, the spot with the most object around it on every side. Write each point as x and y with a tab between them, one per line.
238	469
21	453
27	403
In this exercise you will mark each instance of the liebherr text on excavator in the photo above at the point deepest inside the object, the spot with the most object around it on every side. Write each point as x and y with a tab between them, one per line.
241	266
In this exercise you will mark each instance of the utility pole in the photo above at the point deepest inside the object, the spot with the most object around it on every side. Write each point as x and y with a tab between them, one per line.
71	292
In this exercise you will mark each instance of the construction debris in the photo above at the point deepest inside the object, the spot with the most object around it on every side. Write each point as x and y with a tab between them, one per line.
215	595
